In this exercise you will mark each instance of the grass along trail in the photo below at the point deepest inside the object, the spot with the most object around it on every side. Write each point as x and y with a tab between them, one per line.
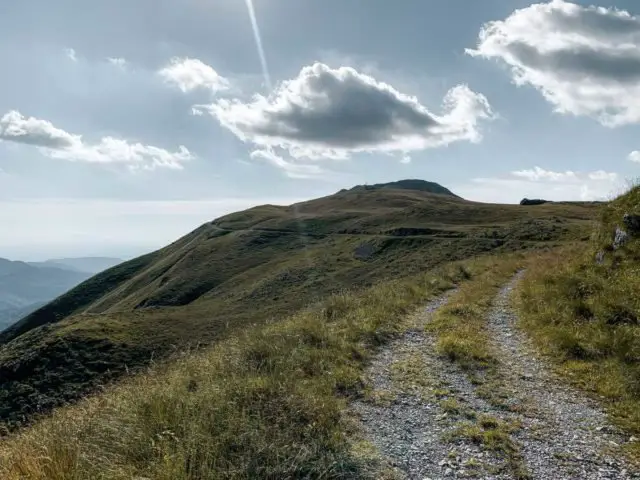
564	434
409	414
463	395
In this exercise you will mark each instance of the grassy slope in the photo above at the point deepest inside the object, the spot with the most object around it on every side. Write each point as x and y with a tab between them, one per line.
266	403
586	315
247	268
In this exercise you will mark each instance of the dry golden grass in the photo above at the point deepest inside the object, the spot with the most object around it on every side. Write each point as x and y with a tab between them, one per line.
267	403
585	315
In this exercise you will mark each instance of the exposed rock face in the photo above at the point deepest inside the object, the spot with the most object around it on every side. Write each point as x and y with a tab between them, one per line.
621	237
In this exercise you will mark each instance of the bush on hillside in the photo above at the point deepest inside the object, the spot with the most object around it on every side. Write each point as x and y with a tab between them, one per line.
533	201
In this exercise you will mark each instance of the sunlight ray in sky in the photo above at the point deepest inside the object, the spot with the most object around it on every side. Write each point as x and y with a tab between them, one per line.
258	38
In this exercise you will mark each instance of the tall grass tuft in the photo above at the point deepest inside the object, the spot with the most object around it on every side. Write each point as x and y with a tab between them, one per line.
585	314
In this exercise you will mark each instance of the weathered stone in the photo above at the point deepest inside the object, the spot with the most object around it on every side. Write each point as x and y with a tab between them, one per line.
600	257
621	237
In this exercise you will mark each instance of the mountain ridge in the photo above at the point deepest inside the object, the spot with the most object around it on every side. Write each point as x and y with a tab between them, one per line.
199	288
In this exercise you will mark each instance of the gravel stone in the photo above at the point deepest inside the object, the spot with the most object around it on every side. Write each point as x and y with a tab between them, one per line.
563	436
567	436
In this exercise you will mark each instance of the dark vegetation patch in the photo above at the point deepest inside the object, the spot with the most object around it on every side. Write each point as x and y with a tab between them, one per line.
533	201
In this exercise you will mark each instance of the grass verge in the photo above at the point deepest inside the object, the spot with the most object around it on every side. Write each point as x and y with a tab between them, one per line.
267	403
584	315
495	435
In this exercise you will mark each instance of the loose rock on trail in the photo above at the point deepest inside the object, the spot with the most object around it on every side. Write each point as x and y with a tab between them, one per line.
430	419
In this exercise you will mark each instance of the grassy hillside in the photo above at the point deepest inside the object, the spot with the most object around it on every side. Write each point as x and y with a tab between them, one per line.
413	184
267	403
584	314
249	268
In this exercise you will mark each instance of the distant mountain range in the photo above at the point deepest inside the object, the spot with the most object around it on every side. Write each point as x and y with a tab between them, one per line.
26	286
82	264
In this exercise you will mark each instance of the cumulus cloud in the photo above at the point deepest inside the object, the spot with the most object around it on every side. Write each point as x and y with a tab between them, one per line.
189	74
32	131
334	113
635	156
59	144
584	60
541	183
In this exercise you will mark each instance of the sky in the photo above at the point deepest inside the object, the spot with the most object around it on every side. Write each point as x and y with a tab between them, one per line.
124	125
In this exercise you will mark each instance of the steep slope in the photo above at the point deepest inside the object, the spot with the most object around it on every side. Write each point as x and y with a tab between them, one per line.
251	267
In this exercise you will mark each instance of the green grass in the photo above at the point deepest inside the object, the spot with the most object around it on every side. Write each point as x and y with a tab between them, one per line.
585	315
495	435
460	326
251	268
266	403
461	334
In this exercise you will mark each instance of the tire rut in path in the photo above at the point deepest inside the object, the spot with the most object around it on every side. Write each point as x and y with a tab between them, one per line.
562	434
409	429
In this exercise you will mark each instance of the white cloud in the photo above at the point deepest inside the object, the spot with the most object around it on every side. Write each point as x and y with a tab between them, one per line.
538	173
32	131
56	143
541	183
602	175
189	74
71	54
117	62
584	60
291	168
334	113
635	156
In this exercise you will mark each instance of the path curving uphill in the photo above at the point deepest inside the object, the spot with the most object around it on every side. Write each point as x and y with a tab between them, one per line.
430	419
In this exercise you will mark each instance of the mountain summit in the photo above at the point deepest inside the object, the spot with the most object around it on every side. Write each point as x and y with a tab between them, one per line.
409	184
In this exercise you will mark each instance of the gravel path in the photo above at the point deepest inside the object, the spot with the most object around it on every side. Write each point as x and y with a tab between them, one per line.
419	402
565	435
410	431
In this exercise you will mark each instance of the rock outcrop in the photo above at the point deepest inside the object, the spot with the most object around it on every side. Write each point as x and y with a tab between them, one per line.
622	236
